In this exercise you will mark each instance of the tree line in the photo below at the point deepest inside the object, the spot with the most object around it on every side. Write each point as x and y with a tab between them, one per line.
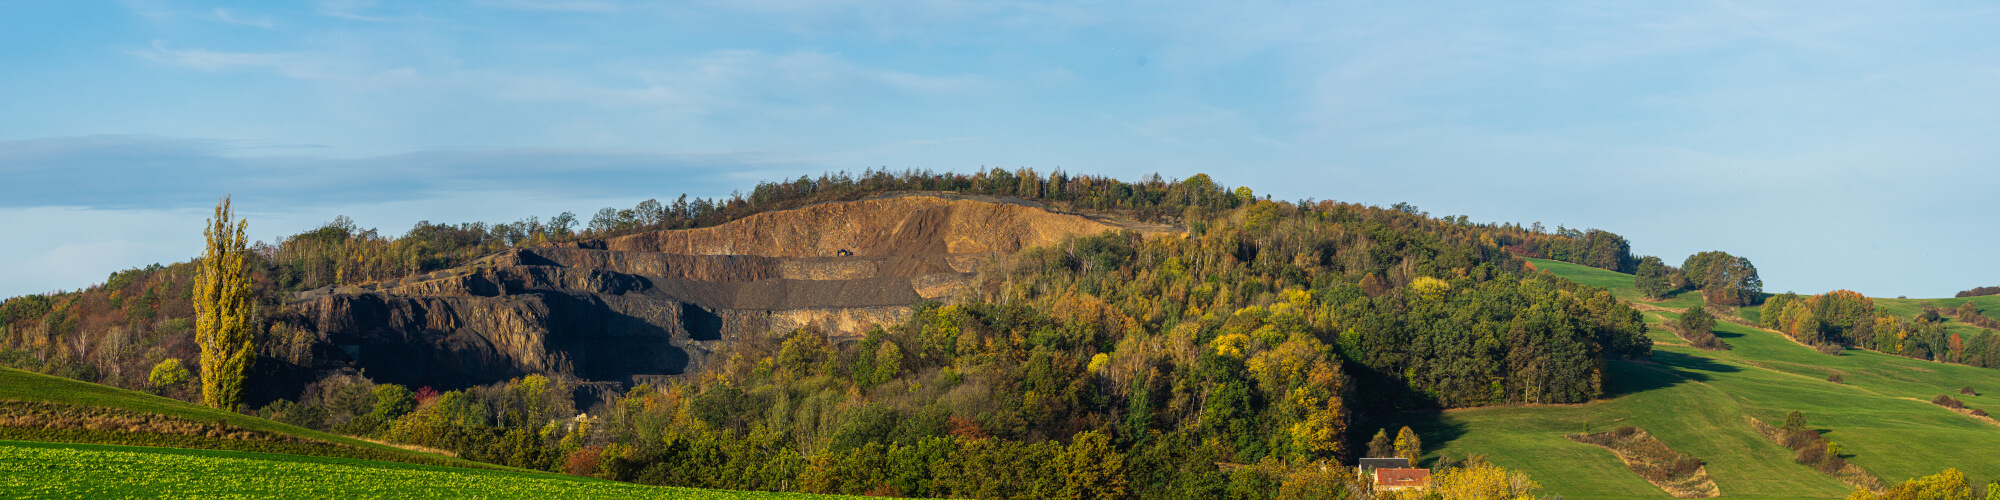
1845	318
1723	279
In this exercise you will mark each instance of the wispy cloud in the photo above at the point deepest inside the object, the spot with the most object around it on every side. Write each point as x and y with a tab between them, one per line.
287	64
227	16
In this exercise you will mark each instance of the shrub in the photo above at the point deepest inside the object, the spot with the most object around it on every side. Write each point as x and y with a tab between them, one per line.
1835	378
1811	455
1829	349
583	461
1978	412
170	373
1947	402
1967	390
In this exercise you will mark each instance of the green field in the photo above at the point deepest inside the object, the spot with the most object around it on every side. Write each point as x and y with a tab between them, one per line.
1696	402
30	469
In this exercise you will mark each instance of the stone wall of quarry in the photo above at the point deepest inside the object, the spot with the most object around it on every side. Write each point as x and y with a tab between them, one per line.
660	304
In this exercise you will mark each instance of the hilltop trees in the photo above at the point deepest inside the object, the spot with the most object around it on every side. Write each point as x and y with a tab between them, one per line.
222	305
1724	280
1653	277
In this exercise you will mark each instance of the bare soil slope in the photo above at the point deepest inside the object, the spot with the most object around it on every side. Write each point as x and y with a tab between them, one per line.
880	227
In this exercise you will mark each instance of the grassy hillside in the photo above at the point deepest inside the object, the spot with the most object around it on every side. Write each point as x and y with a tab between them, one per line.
17	385
75	466
1696	402
38	469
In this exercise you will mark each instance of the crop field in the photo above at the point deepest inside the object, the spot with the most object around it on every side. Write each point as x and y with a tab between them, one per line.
72	470
1698	402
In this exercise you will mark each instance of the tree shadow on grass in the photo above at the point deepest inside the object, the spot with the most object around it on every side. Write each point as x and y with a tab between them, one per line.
1666	369
1435	427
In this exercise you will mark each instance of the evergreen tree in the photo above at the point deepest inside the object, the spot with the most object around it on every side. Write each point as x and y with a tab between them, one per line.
222	312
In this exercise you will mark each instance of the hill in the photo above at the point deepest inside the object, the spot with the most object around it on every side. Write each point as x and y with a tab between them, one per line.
1698	402
1013	336
39	407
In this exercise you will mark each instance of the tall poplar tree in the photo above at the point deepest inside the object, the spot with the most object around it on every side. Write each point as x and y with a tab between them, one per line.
222	311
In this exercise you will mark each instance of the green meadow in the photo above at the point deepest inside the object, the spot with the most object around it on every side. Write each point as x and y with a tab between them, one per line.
1698	402
29	469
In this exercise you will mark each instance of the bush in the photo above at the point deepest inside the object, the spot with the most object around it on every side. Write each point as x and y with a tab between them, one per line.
1947	402
1830	349
1835	378
1811	455
583	461
1978	412
1967	390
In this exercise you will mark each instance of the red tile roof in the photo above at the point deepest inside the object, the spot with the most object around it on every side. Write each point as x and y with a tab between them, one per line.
1386	477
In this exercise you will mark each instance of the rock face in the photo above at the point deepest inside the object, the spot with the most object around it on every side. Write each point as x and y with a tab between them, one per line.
660	304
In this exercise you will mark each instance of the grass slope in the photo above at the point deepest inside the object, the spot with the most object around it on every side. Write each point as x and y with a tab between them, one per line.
33	469
1696	402
29	386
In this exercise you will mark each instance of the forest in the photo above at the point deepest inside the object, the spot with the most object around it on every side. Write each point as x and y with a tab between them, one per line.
1227	361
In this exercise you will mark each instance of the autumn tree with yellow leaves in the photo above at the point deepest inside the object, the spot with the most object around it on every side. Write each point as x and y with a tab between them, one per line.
222	311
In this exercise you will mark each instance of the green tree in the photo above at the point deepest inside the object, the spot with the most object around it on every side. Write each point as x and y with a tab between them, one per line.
1382	445
1652	277
222	311
1696	320
1092	468
393	401
1723	279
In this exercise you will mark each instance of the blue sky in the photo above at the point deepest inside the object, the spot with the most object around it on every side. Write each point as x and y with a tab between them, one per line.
1837	145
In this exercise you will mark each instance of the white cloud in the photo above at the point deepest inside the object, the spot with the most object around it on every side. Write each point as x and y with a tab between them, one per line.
225	15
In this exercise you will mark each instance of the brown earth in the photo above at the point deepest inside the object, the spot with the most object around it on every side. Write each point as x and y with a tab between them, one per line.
661	303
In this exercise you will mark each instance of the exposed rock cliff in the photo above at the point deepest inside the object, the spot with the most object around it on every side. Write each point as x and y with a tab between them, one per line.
659	304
